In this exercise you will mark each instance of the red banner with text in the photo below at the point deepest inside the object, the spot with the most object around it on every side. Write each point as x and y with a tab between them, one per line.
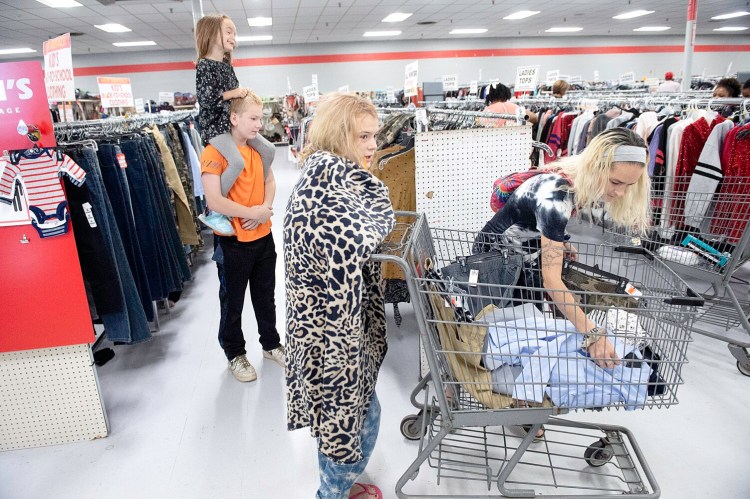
23	106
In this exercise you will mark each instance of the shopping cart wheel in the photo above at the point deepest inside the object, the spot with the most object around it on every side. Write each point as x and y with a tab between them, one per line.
599	453
744	368
411	426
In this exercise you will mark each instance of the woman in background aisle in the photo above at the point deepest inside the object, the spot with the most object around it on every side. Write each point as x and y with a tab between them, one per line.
336	217
497	102
560	88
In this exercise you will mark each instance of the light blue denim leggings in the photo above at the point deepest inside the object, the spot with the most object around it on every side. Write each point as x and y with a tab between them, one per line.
335	478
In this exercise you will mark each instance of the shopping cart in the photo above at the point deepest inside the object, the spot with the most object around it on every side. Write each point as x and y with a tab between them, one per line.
473	334
703	237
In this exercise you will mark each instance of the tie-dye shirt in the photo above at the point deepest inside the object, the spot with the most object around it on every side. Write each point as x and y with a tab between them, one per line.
541	205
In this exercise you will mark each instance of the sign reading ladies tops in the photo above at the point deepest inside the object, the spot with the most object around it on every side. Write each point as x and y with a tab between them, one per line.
526	78
58	69
115	92
24	110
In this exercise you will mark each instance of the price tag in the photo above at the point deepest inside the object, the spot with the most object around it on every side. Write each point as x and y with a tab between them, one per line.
121	160
473	277
633	291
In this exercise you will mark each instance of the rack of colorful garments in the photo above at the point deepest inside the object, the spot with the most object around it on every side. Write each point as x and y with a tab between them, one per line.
135	219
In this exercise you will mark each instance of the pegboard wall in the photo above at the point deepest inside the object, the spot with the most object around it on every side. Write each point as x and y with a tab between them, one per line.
455	170
49	396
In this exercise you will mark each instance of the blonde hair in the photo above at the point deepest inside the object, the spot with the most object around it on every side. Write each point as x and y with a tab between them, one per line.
334	127
240	104
589	174
560	87
206	30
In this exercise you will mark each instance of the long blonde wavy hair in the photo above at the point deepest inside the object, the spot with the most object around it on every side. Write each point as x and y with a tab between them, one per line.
589	173
334	127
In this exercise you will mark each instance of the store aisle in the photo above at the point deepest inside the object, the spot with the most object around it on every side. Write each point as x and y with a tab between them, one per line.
182	427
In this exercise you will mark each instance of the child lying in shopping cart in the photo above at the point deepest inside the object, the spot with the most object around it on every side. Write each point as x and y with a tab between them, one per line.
610	172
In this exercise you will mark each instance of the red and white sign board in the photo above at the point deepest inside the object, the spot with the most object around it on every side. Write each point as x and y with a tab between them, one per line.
115	92
58	69
23	101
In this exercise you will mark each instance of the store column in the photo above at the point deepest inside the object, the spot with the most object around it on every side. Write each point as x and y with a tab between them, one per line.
687	71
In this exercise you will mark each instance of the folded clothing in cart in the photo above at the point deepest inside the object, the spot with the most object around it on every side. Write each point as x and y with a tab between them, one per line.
553	364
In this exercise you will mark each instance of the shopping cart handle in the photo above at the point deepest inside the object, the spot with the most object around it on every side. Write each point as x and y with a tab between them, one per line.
692	299
636	250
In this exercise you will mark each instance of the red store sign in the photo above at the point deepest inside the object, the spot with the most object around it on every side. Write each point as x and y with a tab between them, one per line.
23	100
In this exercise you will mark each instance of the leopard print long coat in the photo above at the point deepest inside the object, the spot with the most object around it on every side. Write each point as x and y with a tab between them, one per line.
336	217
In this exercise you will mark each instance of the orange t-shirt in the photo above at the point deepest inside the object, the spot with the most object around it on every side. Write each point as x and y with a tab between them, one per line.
248	190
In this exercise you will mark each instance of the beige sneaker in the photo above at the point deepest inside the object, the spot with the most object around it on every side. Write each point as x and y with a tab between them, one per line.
242	369
277	355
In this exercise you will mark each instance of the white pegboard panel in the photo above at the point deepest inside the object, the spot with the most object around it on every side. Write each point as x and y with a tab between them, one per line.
49	396
455	171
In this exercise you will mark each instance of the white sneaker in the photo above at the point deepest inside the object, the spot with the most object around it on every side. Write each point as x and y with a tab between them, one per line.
242	369
277	355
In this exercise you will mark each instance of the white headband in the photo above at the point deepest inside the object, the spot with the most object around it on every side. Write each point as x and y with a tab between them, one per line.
631	154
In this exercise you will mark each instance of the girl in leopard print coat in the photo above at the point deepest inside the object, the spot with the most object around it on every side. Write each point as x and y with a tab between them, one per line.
336	217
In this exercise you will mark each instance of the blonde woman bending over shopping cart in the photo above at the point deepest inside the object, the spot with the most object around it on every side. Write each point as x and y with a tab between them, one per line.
611	173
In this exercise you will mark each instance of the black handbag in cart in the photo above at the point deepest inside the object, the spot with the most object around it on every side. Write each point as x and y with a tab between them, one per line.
484	279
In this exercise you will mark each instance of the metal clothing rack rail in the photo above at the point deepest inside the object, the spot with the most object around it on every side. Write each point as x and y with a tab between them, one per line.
119	124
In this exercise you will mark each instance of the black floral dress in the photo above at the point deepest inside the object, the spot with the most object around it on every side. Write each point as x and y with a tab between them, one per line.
212	79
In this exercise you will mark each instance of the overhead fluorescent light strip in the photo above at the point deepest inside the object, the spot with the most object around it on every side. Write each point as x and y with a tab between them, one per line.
60	4
255	38
563	30
732	15
381	33
24	50
144	43
521	14
259	21
653	28
468	31
633	14
731	28
397	17
113	28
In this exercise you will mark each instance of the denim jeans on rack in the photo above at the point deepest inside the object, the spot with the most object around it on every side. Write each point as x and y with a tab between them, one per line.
130	325
335	478
167	210
147	225
112	176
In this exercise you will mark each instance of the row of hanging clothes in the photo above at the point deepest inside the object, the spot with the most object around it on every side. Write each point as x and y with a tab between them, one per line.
699	156
135	217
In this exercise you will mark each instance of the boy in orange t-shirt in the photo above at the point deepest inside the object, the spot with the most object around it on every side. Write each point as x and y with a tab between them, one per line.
250	255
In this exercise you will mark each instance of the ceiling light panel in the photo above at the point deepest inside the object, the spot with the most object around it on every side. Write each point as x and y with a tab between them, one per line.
521	14
25	50
731	15
397	17
381	33
468	31
259	21
633	14
113	28
731	28
653	28
563	30
255	38
60	4
143	43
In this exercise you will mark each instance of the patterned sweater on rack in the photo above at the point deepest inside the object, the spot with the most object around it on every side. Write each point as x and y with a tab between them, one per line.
555	135
707	176
41	177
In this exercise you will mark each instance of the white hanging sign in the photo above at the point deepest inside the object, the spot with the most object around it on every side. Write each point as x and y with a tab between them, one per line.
167	97
58	69
576	79
390	94
288	84
627	78
596	76
652	82
473	87
115	92
526	78
344	89
139	107
314	79
311	93
553	76
411	79
564	78
450	82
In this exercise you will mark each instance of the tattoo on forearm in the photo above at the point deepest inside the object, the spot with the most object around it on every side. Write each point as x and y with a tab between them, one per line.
552	255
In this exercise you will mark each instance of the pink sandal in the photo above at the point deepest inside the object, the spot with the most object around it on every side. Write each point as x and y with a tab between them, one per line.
369	489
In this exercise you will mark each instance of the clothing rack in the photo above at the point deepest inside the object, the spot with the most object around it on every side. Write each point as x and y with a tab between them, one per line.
65	130
642	100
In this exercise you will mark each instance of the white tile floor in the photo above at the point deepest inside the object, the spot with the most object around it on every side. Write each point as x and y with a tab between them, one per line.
182	427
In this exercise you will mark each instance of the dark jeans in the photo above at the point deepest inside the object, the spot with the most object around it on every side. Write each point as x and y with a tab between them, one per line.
252	263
